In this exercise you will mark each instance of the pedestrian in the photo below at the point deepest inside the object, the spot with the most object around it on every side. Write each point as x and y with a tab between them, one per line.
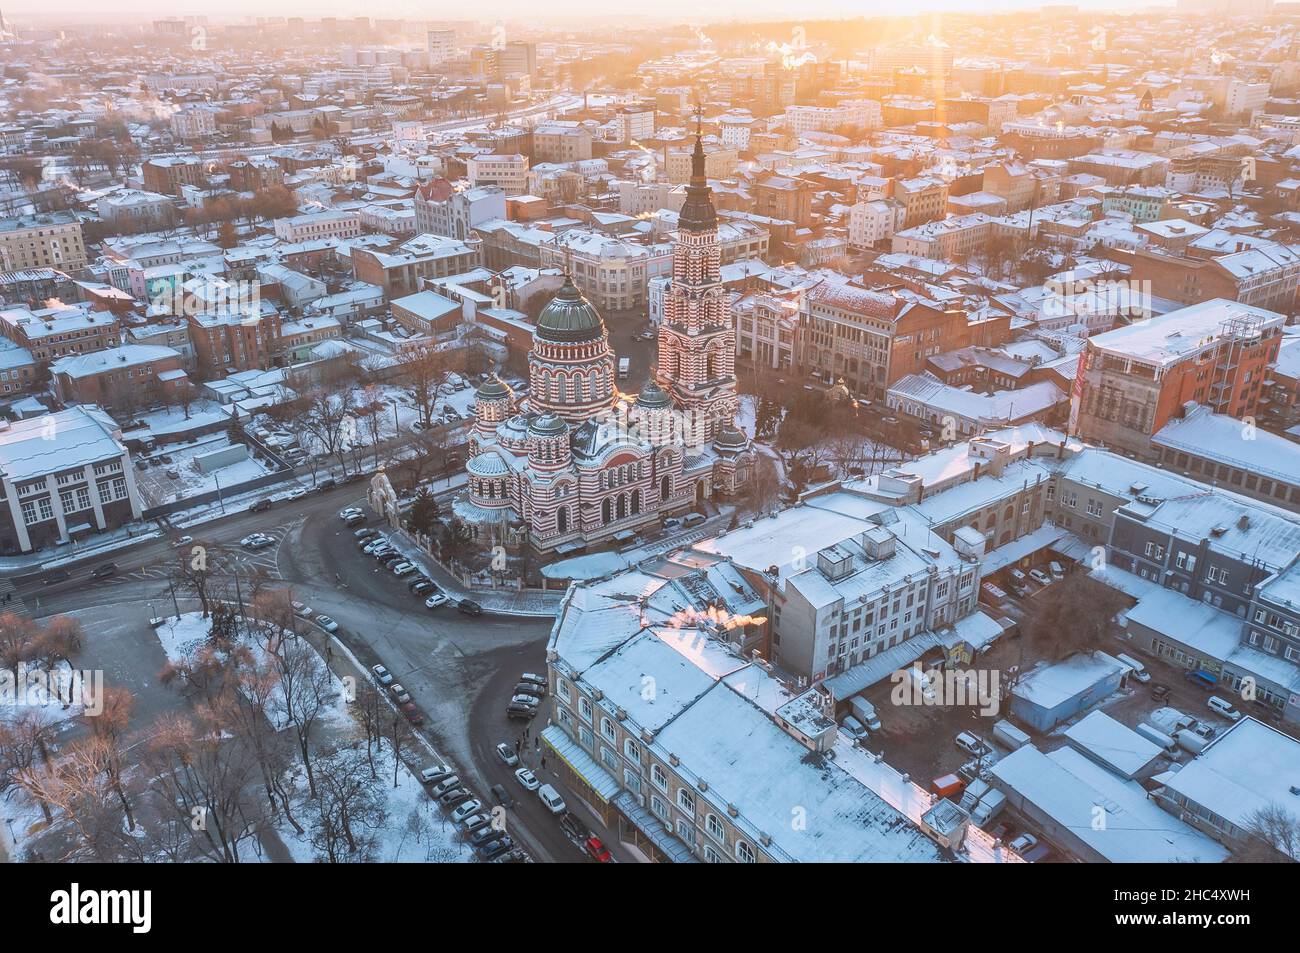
543	762
537	743
518	744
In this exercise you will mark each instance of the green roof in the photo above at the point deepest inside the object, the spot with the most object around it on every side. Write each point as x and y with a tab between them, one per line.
569	317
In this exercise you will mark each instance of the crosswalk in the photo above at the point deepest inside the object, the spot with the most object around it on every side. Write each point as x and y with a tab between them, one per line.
225	559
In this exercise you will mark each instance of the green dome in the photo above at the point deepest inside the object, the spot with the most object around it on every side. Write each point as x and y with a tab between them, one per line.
548	425
494	388
569	317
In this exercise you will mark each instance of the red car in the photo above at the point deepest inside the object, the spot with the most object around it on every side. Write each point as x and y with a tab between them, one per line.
412	714
597	851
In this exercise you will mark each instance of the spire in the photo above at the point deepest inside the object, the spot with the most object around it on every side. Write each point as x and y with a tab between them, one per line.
697	213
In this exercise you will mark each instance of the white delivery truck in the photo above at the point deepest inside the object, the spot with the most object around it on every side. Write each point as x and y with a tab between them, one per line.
1158	737
624	368
1009	735
865	712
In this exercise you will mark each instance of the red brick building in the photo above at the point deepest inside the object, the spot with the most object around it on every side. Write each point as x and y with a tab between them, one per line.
136	373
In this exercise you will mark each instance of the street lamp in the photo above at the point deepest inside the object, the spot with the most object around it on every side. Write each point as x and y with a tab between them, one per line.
217	478
396	427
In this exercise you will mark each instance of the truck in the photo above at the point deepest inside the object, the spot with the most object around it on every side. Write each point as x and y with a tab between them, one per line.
1158	737
865	712
1190	741
1009	736
624	368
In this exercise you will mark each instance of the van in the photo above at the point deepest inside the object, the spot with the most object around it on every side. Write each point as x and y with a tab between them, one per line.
551	798
1055	568
1201	679
949	786
1190	741
853	728
989	806
1157	737
1139	670
693	519
1221	707
1009	735
624	368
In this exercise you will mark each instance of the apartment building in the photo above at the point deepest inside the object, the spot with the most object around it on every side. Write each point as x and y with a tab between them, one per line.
133	210
1263	274
767	329
784	198
875	221
132	374
870	339
333	223
48	240
168	174
226	342
399	272
561	142
507	172
613	273
63	476
440	209
719	163
924	199
51	333
949	239
194	122
862	114
634	124
1133	380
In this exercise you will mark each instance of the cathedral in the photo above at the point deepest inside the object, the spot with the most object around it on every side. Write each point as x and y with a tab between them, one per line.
577	462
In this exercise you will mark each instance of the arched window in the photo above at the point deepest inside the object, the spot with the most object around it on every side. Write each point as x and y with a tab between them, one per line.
745	853
665	487
715	828
636	502
562	519
622	505
605	510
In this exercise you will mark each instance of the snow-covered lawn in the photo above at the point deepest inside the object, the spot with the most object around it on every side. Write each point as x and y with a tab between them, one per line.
157	487
172	420
415	830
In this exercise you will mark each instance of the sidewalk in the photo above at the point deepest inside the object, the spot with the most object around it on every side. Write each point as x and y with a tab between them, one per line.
527	603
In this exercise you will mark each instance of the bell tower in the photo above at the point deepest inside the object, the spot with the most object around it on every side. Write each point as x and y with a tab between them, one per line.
697	346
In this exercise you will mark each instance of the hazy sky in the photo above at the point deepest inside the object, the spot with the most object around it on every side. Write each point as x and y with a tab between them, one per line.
604	10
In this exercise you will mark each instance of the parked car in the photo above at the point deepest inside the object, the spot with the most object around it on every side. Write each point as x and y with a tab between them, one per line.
972	744
366	533
1040	577
104	570
400	693
435	600
413	714
502	795
466	809
469	607
348	511
325	484
57	575
528	688
435	774
326	623
527	779
496	848
1023	843
476	822
260	505
355	518
443	786
551	798
404	569
297	493
538	680
507	754
1018	576
420	586
301	610
853	728
596	850
455	796
180	541
532	701
1159	692
257	541
520	711
486	835
382	675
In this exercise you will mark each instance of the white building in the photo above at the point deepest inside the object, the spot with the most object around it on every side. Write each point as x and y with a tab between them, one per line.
441	46
509	172
328	224
874	221
856	113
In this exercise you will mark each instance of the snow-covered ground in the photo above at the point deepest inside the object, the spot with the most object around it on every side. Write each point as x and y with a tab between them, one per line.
172	420
157	486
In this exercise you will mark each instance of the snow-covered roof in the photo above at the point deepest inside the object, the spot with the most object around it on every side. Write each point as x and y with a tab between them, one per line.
55	442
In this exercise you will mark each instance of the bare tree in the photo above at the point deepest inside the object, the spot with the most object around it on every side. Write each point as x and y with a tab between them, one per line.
1272	836
350	810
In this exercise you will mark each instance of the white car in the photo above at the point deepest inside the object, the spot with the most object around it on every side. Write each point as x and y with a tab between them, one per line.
528	779
351	511
296	494
182	541
472	806
256	541
382	675
1023	843
435	600
972	744
404	569
529	700
326	623
551	798
301	610
507	754
435	773
1221	707
1040	577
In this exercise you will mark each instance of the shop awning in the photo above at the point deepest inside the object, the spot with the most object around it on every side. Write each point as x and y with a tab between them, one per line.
601	782
643	820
